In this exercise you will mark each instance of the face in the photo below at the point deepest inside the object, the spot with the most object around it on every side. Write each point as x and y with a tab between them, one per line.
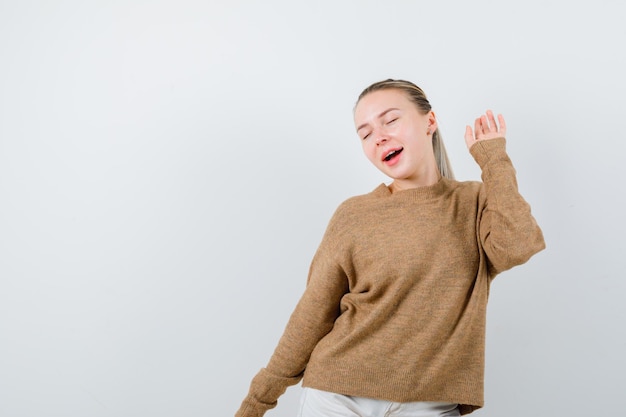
396	137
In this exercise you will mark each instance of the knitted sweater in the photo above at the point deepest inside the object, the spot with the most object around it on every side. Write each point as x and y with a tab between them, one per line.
396	297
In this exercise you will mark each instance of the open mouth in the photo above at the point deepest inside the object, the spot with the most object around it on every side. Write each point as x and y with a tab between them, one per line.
392	154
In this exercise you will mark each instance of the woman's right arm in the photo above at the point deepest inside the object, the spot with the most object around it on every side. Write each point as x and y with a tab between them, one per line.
312	319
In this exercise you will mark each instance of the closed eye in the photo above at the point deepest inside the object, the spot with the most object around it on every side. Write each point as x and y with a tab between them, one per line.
391	121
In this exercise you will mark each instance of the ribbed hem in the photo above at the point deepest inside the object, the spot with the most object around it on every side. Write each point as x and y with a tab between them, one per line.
397	386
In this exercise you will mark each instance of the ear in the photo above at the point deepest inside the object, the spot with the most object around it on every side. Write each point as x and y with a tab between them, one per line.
432	122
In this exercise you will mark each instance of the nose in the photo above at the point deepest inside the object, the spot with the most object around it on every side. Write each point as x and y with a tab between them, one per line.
381	137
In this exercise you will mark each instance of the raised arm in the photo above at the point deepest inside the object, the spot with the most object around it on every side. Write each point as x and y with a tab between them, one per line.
508	232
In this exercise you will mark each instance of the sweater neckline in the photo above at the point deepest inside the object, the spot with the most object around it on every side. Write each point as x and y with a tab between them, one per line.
418	193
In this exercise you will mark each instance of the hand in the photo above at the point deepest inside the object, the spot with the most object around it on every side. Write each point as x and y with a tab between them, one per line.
486	128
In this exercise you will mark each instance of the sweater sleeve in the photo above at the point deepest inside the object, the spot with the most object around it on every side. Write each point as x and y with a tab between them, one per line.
311	320
507	230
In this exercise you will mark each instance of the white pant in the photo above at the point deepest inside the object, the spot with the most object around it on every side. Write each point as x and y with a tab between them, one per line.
316	403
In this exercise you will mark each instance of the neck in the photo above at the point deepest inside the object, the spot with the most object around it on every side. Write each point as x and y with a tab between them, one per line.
430	178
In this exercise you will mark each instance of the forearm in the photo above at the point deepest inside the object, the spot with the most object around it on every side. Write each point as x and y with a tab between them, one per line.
508	232
311	320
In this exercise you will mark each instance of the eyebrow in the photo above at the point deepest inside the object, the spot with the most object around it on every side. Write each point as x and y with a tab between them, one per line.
379	116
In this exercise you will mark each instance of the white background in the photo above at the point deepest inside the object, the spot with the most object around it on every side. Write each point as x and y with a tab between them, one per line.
167	170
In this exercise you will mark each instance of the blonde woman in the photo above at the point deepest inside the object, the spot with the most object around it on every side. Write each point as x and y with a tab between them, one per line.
392	320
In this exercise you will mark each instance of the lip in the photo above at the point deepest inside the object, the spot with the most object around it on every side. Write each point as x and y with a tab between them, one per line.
389	150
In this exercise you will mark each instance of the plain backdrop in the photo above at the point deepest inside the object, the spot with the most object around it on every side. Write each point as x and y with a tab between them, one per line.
168	168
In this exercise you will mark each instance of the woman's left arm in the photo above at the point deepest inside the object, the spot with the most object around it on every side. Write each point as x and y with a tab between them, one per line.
507	230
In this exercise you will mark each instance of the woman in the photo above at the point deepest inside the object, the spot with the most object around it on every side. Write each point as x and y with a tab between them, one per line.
392	321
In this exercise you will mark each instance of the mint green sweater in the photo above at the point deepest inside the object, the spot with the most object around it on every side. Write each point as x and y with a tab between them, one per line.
396	297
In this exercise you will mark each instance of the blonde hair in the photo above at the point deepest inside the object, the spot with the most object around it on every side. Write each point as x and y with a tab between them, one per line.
418	97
